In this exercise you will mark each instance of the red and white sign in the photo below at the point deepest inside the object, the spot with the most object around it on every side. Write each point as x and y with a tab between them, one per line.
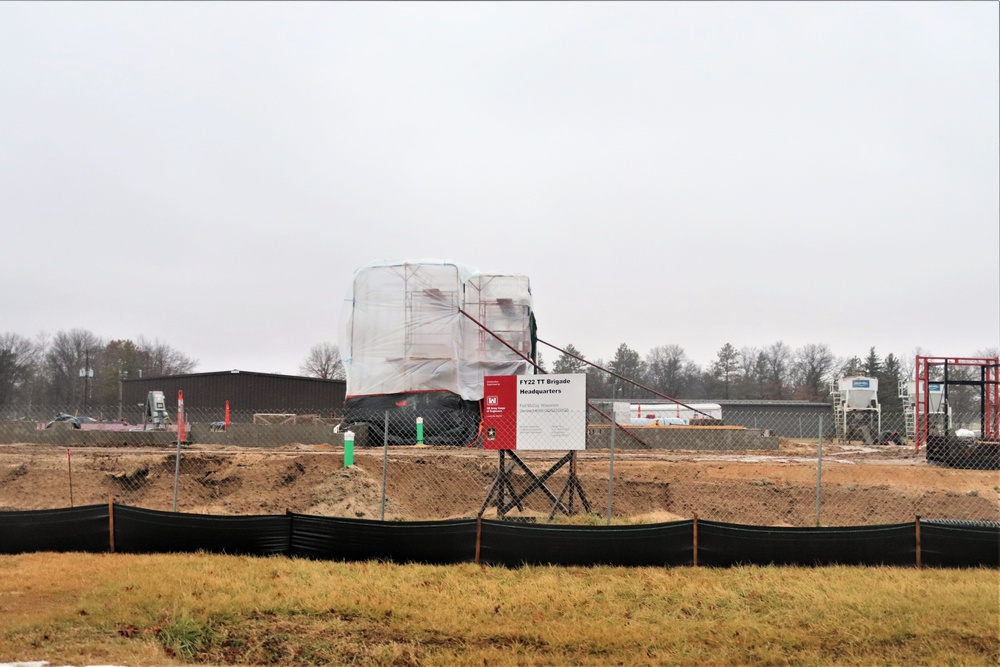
535	412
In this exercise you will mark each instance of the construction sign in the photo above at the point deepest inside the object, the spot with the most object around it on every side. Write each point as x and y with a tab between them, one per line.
535	412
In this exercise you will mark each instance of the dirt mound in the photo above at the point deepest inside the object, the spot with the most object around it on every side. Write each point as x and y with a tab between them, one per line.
861	485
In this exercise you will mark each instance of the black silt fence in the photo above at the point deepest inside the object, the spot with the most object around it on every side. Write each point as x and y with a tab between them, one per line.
150	531
726	544
433	542
966	544
653	545
85	529
104	528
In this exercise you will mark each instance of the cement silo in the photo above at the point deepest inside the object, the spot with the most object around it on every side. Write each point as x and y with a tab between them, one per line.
856	411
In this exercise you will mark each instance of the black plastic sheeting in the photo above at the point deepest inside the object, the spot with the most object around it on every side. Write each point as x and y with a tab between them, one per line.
448	419
73	529
512	545
149	531
968	545
435	542
726	544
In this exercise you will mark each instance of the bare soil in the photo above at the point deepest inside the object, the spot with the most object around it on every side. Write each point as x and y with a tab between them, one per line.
860	485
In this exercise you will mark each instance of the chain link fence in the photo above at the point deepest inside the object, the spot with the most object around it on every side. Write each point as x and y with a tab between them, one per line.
754	467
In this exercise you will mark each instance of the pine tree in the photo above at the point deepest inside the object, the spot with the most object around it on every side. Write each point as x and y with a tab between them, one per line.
725	367
888	387
628	364
567	364
872	364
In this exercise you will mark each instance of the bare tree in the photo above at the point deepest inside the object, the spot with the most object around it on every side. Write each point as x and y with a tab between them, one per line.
158	358
323	362
69	353
599	383
670	371
18	360
749	370
813	366
777	362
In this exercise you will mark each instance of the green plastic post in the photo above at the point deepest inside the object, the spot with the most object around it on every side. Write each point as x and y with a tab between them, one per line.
420	430
348	449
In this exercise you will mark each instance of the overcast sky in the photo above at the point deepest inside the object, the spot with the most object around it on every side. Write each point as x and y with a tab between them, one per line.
212	174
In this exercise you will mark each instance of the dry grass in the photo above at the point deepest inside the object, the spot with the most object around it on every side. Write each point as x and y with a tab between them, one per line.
154	610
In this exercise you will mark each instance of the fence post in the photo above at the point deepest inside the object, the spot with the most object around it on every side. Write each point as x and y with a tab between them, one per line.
385	460
111	520
920	558
479	536
69	465
819	470
611	464
694	551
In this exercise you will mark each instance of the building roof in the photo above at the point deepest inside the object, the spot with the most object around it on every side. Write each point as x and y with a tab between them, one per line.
230	372
775	403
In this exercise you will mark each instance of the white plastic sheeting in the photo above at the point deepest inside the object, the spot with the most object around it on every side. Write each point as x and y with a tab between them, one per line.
402	331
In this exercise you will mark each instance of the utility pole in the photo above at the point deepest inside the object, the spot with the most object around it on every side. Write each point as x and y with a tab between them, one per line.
86	373
122	375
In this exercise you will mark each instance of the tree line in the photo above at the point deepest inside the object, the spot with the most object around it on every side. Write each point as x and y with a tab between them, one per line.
76	367
772	372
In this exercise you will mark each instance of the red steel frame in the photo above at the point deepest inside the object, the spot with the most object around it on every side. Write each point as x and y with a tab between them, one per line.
990	371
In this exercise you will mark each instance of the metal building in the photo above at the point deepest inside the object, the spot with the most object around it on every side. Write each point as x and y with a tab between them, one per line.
788	419
246	391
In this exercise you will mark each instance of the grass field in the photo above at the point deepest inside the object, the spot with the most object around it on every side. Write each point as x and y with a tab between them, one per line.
219	610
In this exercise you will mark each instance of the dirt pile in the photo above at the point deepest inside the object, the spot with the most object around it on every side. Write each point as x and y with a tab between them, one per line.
859	485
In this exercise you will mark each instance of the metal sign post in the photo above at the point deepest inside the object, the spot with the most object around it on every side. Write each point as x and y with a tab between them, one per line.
534	413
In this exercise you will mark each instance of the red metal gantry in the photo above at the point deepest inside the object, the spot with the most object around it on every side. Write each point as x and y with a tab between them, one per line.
988	382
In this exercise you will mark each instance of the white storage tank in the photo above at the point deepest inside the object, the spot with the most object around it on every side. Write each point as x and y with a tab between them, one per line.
858	393
935	395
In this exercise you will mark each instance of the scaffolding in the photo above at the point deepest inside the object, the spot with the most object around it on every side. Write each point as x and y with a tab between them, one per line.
928	422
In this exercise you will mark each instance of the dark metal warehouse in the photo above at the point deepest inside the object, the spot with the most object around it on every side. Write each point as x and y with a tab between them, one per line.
789	419
246	391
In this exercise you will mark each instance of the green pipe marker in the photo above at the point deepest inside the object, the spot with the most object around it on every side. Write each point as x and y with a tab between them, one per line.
420	430
348	449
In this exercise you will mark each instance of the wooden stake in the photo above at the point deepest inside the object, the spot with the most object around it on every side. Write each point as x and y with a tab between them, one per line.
111	520
694	554
69	464
479	535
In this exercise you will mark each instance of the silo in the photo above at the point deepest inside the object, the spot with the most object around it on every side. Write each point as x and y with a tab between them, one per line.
859	393
856	410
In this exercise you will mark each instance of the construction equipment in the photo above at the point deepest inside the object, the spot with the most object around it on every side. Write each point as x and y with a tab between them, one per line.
857	414
156	411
